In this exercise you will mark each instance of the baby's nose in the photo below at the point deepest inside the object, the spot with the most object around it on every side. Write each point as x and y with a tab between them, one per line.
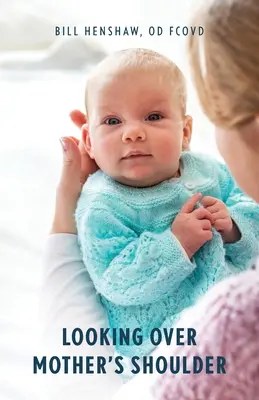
133	134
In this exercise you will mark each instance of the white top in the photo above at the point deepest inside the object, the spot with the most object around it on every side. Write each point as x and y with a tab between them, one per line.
69	301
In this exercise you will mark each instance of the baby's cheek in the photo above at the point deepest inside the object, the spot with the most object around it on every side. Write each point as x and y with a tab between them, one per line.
104	145
168	150
108	152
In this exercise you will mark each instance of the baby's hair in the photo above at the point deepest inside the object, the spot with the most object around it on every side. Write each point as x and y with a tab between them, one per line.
225	62
139	58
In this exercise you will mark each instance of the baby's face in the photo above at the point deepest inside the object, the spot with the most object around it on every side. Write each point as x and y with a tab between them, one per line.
137	129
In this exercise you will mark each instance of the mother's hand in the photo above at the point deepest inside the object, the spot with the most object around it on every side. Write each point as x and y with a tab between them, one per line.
77	166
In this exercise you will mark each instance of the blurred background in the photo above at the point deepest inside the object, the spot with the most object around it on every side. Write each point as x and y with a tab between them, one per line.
42	78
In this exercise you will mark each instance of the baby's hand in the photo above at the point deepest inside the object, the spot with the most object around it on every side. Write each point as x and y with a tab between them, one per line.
221	220
192	227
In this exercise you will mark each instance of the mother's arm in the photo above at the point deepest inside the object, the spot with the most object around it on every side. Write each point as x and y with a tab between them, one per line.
68	298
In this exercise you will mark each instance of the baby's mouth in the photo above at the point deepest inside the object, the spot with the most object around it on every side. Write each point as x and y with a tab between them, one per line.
135	154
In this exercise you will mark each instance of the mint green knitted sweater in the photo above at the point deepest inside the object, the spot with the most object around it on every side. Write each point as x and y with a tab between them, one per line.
143	275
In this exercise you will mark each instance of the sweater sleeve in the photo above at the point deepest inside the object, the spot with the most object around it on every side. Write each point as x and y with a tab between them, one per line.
126	268
227	327
245	213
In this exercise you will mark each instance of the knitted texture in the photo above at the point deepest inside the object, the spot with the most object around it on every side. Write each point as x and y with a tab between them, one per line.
227	324
138	267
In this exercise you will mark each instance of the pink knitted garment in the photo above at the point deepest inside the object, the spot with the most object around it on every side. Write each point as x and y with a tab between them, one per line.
227	324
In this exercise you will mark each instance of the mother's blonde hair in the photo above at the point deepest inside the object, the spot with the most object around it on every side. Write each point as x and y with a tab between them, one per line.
225	61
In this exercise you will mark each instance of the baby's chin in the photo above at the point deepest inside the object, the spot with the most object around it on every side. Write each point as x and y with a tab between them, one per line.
139	177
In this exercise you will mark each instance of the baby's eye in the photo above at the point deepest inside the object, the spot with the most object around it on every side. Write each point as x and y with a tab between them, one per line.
112	121
154	117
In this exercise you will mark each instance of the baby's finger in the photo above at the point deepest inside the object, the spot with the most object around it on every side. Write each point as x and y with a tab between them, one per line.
207	235
218	225
221	214
191	203
213	209
208	201
206	224
202	213
221	224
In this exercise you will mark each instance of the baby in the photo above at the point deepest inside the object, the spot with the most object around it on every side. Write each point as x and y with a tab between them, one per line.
157	225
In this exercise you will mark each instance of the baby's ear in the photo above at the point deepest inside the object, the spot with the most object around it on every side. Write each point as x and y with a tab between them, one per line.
87	140
187	132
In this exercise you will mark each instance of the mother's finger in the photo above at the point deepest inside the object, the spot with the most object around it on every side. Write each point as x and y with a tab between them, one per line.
71	170
78	118
69	188
75	140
